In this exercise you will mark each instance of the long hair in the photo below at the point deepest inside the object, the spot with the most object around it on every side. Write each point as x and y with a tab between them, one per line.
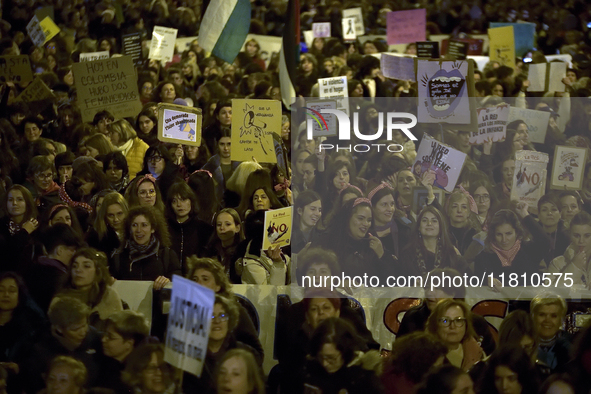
275	204
254	374
23	293
203	185
237	181
472	221
101	143
101	275
305	198
100	222
439	311
515	359
238	237
339	230
132	197
124	129
156	219
8	160
340	333
31	207
442	380
57	208
503	216
182	190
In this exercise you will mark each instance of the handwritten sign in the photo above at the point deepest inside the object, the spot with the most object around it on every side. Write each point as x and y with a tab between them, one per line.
568	169
132	46
163	42
398	67
428	49
253	122
179	124
440	159
502	45
403	27
37	95
321	29
15	69
187	333
358	23
524	36
109	84
277	228
536	121
555	74
335	88
492	124
530	176
92	56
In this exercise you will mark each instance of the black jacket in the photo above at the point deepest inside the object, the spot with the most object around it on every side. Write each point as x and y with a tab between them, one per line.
189	238
162	263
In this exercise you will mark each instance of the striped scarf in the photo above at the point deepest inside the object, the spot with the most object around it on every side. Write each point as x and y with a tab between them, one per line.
507	256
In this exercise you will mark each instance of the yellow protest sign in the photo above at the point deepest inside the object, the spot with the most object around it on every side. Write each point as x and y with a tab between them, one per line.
502	45
253	122
277	228
50	29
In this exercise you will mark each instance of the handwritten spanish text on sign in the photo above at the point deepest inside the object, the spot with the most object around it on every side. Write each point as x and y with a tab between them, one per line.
404	27
253	122
37	95
15	69
529	180
492	124
109	84
92	56
163	42
398	67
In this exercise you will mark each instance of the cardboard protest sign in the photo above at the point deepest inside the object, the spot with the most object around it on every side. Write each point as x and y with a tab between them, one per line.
37	95
319	129
335	88
502	45
444	88
163	42
321	29
358	23
537	77
92	56
15	69
530	176
556	72
189	320
277	231
457	49
132	46
492	124
109	84
179	124
547	77
253	122
403	27
568	169
524	36
440	159
349	33
398	67
138	294
42	31
428	49
50	29
536	121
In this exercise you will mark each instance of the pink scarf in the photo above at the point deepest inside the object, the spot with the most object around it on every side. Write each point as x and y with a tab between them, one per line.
507	256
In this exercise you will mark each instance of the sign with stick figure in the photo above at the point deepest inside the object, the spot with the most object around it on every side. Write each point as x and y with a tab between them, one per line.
253	122
277	228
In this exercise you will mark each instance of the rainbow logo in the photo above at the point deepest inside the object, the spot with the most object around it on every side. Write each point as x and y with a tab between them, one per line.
316	115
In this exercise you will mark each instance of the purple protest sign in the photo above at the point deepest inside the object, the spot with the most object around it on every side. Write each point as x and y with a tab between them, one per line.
404	27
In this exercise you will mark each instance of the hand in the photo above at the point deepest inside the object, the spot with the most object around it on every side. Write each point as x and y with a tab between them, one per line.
376	245
580	260
566	81
525	85
522	209
31	225
160	282
13	366
178	154
392	181
320	154
274	253
487	146
113	280
428	178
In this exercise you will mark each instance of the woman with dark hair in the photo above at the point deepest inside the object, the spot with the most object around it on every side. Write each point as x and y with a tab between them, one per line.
348	193
509	371
222	119
261	199
146	371
146	126
89	180
338	175
9	165
505	173
201	182
166	92
220	165
553	225
307	214
195	157
307	74
239	372
61	213
405	181
447	379
144	191
116	170
224	242
570	205
31	129
159	163
189	234
482	192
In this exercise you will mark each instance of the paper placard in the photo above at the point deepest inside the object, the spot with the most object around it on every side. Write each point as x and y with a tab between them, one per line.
492	124
398	67
358	15
530	177
138	294
277	231
321	29
442	160
109	84
132	46
349	33
50	29
428	49
15	69
189	320
408	26
555	75
92	56
457	49
537	77
41	32
179	124
253	122
335	88
568	169
163	42
319	129
524	36
37	95
536	121
502	45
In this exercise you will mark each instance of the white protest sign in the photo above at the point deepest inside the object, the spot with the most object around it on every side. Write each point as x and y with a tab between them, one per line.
308	37
91	56
557	72
492	124
536	121
36	32
530	176
349	33
358	15
537	77
189	319
138	295
398	67
319	129
277	230
163	42
442	160
337	88
321	29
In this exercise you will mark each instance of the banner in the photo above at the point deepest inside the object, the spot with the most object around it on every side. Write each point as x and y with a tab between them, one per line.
536	121
398	67
404	27
492	124
163	42
502	45
568	169
189	320
529	181
358	23
92	56
15	69
441	160
321	30
179	124
109	84
253	122
277	231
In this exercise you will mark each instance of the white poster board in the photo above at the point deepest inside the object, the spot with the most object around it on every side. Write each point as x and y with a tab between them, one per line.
358	15
163	42
335	88
91	56
321	30
536	121
492	124
529	180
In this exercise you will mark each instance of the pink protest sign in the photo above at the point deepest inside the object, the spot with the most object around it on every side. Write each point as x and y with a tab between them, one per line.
404	27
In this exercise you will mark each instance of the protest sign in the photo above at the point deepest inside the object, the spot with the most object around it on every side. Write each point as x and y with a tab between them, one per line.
42	31
109	84
442	160
253	122
349	33
403	27
321	29
92	56
502	45
163	42
358	22
475	45
492	124
536	121
537	77
524	36
179	124
568	169
277	231
319	129
530	177
132	46
189	320
420	198
457	49
398	67
37	95
444	91
50	29
15	69
555	74
428	49
335	88
138	294
547	77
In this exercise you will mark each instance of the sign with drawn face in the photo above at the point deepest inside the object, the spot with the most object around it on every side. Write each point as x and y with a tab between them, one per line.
253	122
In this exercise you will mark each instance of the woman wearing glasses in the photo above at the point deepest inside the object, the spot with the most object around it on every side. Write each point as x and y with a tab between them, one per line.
146	372
482	192
160	165
450	322
143	191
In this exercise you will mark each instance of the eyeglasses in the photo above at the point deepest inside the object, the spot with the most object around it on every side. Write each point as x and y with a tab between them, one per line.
154	159
151	369
458	321
223	317
42	176
331	359
482	197
147	193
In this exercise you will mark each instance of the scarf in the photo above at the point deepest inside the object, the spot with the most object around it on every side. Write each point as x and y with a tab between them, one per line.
507	256
138	252
68	200
13	227
126	147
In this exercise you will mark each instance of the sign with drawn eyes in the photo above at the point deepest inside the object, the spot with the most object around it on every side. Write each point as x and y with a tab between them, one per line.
253	122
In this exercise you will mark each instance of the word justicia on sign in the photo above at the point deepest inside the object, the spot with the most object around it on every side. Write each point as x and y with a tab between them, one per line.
344	129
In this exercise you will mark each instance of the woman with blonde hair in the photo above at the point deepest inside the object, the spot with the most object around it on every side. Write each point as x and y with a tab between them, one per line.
236	183
98	144
108	229
238	371
125	139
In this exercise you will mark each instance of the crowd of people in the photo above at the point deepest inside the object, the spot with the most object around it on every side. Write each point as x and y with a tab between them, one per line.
86	204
